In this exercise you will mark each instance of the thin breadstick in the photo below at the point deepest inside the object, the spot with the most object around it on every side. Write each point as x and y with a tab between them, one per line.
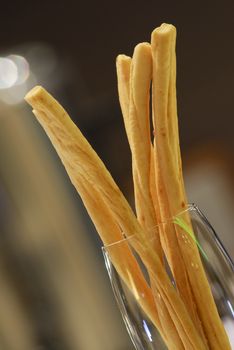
175	306
137	129
168	326
155	198
123	67
179	327
136	118
82	156
118	249
67	138
213	325
172	250
161	80
168	154
120	253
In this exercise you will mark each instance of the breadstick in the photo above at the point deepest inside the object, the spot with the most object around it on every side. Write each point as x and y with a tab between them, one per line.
83	158
168	326
67	139
160	87
136	120
121	255
123	67
175	306
214	328
161	79
168	155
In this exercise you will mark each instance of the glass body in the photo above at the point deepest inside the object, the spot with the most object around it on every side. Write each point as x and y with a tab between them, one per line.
217	264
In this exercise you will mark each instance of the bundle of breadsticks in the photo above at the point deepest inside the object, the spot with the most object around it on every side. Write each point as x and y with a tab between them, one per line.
185	315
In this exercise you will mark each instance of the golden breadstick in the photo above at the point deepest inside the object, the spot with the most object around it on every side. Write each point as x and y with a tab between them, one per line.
172	335
136	119
172	250
212	323
68	140
83	158
121	255
123	67
170	166
175	306
167	232
161	80
138	131
179	326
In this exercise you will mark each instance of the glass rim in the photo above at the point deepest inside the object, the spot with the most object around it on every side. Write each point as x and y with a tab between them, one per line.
189	207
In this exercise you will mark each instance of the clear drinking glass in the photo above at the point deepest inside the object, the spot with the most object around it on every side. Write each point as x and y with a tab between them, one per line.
217	264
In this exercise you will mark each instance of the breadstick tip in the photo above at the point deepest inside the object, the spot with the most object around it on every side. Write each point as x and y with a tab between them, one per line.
143	49
165	31
122	59
123	64
36	92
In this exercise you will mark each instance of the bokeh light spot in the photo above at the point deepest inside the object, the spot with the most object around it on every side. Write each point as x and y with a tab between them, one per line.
8	73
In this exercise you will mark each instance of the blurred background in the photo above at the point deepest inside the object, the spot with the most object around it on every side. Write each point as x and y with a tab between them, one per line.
54	291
